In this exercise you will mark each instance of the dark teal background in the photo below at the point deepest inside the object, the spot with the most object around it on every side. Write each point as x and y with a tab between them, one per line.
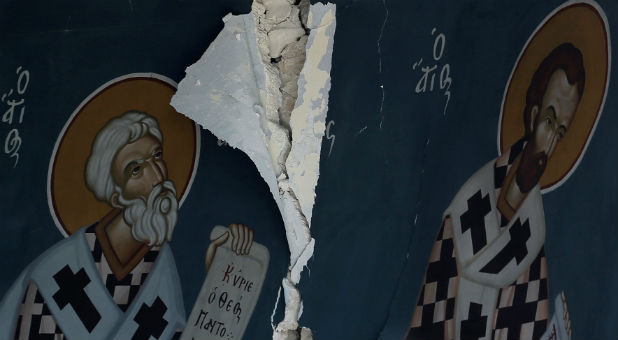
406	165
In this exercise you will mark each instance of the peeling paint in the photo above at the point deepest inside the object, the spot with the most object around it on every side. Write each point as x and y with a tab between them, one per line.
311	107
240	90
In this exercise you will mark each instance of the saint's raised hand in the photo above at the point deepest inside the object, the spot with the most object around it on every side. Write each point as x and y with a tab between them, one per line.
242	239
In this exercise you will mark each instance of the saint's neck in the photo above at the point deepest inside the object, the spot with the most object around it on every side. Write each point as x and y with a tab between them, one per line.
121	240
121	250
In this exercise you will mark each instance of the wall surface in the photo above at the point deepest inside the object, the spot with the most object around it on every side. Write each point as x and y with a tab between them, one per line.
392	159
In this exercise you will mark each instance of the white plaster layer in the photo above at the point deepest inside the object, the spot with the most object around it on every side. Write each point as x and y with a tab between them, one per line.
223	92
307	123
278	138
262	86
309	115
297	234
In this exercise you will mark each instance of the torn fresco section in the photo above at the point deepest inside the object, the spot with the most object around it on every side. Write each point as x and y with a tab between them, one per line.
222	91
242	90
309	114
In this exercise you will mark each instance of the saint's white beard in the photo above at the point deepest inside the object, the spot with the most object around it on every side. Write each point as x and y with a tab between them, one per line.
153	221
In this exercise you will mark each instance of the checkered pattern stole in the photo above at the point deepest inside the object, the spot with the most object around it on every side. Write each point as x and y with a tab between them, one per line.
35	321
522	307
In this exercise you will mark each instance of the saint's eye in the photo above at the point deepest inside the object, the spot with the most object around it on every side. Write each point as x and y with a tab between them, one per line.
136	170
157	154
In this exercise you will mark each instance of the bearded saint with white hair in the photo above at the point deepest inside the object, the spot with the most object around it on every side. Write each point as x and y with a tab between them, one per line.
117	278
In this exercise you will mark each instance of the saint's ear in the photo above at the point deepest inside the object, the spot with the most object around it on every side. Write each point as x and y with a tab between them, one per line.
534	113
114	201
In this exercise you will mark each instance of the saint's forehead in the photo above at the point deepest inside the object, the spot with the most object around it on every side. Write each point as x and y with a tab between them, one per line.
561	95
139	149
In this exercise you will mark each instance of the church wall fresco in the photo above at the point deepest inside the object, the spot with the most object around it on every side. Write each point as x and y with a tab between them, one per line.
296	170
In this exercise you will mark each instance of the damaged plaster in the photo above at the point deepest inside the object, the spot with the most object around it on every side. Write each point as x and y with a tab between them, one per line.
309	115
262	86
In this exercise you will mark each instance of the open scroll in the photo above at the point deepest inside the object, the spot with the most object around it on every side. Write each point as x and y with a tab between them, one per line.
559	327
229	293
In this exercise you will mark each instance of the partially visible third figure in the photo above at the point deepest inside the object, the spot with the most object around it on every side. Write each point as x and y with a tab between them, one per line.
487	272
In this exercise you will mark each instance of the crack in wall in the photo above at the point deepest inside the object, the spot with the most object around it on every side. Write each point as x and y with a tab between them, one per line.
379	43
262	86
306	121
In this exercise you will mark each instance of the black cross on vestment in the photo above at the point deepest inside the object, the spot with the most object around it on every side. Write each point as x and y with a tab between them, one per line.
71	292
519	313
474	327
150	320
442	270
499	175
474	219
514	249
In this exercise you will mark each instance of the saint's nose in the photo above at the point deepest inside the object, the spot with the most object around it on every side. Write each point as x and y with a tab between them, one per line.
157	172
550	142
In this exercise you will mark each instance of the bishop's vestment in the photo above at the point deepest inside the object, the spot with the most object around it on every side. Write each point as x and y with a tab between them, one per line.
487	274
70	292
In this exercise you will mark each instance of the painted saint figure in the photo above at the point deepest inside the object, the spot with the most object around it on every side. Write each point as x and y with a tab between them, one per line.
114	279
487	271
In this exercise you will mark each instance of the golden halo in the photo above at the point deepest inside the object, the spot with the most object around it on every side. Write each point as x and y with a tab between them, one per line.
71	204
584	25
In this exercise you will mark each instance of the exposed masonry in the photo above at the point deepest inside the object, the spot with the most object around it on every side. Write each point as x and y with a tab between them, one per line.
262	86
282	40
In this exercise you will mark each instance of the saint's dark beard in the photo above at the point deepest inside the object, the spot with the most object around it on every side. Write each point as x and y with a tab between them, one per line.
531	168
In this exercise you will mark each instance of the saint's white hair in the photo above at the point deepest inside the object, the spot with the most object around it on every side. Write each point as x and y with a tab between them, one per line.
117	133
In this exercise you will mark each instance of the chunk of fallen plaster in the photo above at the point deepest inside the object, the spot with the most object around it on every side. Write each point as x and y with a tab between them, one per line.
309	115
